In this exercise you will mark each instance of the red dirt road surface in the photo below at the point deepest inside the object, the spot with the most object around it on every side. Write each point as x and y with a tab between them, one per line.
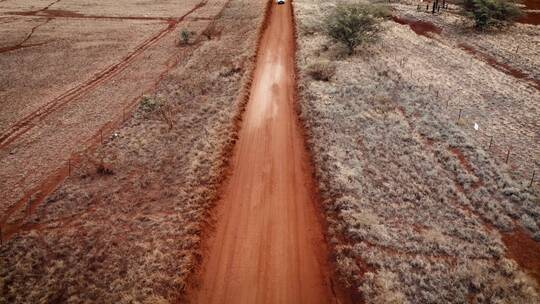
268	246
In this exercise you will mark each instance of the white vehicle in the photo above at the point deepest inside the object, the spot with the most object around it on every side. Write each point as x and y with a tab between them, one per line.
280	1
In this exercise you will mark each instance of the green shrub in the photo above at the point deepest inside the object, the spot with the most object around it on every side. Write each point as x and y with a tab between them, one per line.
354	24
185	36
491	13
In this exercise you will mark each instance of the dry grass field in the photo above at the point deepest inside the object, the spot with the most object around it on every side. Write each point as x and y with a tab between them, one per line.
126	226
419	210
69	77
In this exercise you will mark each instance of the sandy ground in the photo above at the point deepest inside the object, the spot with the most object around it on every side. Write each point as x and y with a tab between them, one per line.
419	210
268	245
126	226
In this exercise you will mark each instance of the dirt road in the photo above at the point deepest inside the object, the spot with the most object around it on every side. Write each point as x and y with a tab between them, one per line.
268	247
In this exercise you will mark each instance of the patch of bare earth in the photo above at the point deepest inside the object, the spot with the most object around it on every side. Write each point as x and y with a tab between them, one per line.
419	209
126	226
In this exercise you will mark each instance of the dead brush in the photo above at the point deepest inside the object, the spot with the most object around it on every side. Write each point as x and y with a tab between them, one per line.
96	163
322	70
166	114
383	104
212	31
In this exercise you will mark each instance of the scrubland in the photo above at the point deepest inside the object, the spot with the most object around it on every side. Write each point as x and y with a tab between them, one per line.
126	226
416	204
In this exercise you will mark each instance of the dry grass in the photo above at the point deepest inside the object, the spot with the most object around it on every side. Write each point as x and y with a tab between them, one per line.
516	45
414	204
133	235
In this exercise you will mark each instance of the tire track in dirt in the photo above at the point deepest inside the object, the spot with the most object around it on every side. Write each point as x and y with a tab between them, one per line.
269	246
31	120
38	194
58	13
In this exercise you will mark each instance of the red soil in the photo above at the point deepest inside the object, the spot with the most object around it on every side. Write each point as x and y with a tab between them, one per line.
269	246
418	26
531	17
524	250
462	160
500	66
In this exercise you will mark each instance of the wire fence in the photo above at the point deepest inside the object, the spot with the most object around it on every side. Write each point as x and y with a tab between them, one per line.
32	198
521	164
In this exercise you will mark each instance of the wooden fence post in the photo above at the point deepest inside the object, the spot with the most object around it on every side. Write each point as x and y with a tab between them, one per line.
532	179
490	142
507	155
459	115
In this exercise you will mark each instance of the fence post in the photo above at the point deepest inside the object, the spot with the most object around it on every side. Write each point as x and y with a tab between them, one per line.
530	184
490	142
507	155
459	115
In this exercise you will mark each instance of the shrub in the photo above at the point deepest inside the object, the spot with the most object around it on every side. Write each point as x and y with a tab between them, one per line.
185	35
149	104
354	24
321	70
491	13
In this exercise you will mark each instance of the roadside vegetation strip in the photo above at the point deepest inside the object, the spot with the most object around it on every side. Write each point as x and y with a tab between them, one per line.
402	185
30	121
139	229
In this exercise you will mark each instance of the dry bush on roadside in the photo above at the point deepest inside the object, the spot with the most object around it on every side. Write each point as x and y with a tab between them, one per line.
321	70
211	32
